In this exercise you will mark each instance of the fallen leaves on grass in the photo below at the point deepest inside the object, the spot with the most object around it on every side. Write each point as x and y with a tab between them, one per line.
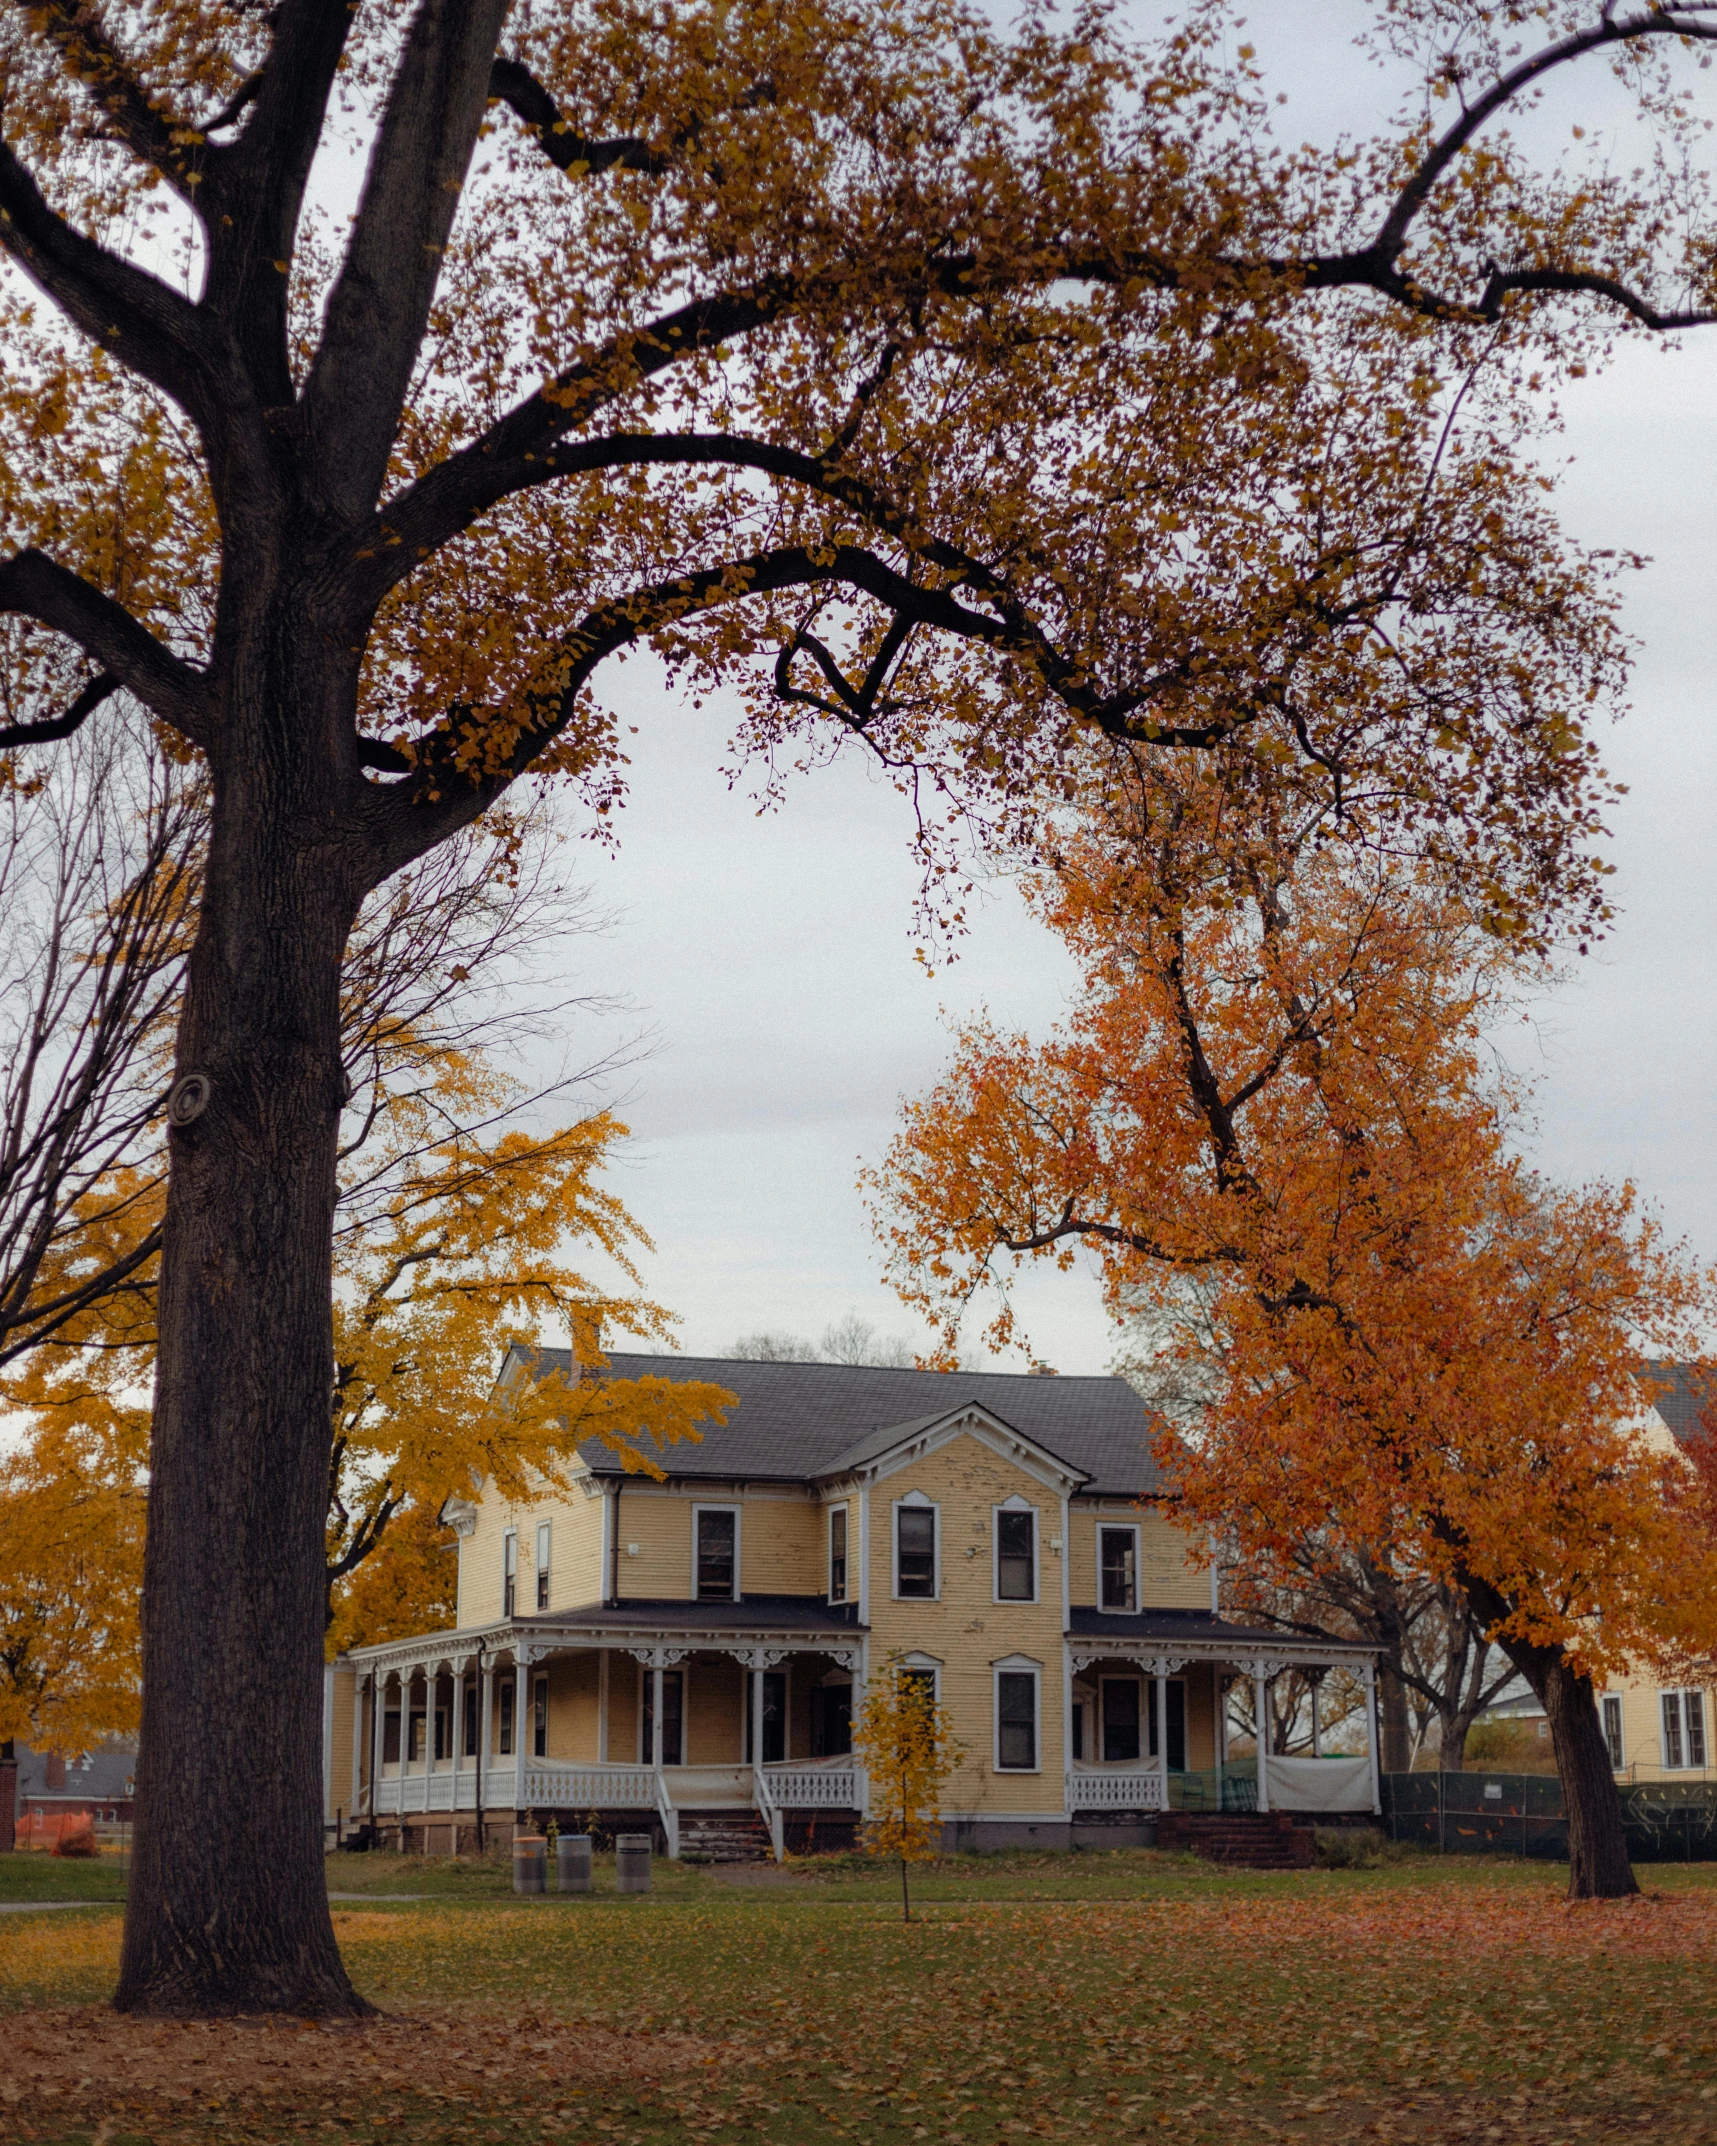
138	2073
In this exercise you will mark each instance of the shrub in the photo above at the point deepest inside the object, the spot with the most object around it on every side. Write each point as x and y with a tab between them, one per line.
80	1843
1508	1747
1350	1847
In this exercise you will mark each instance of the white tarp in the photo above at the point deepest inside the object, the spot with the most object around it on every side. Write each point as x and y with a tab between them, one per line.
1333	1784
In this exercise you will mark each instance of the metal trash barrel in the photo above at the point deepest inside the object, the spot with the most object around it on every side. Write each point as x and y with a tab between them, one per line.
572	1863
530	1863
632	1863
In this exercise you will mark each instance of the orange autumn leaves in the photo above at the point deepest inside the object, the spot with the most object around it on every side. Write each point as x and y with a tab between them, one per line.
1275	1121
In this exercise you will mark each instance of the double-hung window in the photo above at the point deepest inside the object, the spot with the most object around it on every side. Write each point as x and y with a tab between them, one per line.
1016	1554
1684	1729
1016	1720
717	1529
837	1553
1118	1568
544	1542
915	1551
1612	1717
509	1572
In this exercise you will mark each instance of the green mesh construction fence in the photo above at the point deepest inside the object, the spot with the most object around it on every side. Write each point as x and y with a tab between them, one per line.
1522	1814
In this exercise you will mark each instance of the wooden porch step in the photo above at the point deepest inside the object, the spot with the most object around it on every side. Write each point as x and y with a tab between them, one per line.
1264	1840
724	1837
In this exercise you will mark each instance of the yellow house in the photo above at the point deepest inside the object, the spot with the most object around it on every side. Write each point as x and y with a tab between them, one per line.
688	1653
1658	1731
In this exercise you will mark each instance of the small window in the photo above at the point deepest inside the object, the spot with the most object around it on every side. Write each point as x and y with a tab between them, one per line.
1016	1556
539	1718
470	1721
509	1571
718	1544
1672	1754
1118	1564
1120	1720
837	1553
915	1550
506	1738
1016	1721
1693	1717
543	1547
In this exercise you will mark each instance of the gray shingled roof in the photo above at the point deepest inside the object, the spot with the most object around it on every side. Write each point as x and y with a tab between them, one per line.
1678	1392
794	1421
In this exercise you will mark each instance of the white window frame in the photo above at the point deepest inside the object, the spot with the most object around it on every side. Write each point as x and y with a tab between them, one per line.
510	1572
545	1563
916	1501
1617	1750
1016	1504
1016	1665
723	1506
924	1665
1684	1761
1117	1527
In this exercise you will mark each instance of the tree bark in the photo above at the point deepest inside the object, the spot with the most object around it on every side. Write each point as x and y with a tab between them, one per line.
228	1908
1598	1864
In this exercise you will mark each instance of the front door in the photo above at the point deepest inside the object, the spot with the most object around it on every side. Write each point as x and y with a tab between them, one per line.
774	1716
673	1714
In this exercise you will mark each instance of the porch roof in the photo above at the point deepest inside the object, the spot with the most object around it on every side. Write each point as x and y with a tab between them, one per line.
797	1614
1204	1637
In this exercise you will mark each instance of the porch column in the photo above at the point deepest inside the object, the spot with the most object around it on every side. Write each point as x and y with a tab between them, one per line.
485	1735
602	1708
456	1726
757	1717
1160	1700
1371	1736
521	1698
429	1682
1260	1689
1315	1680
656	1717
357	1744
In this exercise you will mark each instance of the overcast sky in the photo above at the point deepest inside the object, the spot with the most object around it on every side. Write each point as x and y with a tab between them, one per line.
774	956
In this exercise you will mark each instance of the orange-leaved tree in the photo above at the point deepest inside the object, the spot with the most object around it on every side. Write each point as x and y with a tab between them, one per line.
1413	1350
948	390
904	1738
72	1499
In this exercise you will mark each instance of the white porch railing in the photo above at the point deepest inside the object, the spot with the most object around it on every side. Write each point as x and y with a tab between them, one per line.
554	1785
814	1788
769	1810
669	1816
1114	1791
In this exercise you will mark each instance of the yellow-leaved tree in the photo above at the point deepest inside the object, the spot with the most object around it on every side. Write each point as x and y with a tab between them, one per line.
906	1743
71	1562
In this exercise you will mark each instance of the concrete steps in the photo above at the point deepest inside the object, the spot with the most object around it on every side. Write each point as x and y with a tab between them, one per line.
724	1837
1263	1840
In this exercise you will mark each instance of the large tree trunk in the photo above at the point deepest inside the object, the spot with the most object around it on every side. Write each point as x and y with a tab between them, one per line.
1598	1865
1599	1868
228	1908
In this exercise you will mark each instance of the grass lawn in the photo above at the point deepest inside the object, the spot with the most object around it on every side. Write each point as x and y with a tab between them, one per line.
1105	1997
